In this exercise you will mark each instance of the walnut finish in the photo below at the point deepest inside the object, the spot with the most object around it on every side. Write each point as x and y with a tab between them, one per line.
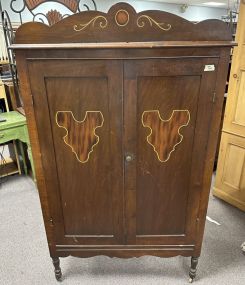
80	135
128	72
165	135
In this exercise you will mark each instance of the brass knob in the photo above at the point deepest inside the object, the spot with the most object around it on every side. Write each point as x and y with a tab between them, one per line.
235	75
129	158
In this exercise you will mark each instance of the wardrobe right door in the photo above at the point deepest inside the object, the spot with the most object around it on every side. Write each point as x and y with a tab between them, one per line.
167	115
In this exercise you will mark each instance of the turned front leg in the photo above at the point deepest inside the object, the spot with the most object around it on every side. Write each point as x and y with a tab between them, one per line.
243	248
193	270
57	270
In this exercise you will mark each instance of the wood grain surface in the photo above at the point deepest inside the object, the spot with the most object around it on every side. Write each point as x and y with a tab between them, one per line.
165	134
80	135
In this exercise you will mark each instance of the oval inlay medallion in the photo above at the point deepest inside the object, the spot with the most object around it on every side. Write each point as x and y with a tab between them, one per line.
122	18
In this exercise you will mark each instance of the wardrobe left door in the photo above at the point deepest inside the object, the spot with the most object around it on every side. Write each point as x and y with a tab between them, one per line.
77	105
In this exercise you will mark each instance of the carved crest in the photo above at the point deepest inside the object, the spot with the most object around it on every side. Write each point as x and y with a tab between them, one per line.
123	24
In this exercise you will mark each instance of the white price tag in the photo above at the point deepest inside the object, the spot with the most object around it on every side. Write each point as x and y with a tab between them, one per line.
210	67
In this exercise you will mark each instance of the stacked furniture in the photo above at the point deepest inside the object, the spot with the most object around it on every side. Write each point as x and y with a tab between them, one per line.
123	111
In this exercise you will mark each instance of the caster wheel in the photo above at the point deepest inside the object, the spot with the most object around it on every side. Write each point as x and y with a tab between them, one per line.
57	270
59	279
58	276
243	248
193	269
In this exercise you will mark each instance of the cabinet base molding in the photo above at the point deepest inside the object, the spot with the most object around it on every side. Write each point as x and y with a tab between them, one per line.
126	247
229	199
125	253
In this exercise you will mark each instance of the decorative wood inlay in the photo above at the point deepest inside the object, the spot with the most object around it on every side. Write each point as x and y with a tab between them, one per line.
122	18
141	23
103	23
80	135
165	134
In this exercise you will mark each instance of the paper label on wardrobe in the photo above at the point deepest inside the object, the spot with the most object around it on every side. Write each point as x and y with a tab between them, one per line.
210	67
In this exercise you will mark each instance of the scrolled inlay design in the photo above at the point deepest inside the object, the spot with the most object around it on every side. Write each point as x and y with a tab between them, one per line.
80	135
122	19
101	20
165	135
141	22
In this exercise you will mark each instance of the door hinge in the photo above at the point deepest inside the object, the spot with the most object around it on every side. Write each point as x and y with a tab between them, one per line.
214	97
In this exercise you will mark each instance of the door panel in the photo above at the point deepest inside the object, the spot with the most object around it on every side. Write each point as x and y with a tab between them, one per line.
172	110
79	123
230	179
164	180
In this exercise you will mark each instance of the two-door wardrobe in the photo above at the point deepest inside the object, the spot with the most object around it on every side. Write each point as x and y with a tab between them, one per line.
123	111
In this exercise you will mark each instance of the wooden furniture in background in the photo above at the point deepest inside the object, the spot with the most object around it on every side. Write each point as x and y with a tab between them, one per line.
9	93
11	164
15	129
9	87
123	111
3	96
230	178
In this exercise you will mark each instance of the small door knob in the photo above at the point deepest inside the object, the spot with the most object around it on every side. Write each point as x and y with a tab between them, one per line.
129	158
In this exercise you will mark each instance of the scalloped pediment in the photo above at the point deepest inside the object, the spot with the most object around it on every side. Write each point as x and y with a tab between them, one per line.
122	24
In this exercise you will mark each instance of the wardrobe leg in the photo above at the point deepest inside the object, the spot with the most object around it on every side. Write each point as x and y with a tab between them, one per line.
243	248
57	270
193	269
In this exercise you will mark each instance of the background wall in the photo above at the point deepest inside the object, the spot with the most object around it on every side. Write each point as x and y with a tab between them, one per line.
193	13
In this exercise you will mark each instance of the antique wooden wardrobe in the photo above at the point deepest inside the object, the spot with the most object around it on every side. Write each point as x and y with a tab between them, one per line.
123	112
